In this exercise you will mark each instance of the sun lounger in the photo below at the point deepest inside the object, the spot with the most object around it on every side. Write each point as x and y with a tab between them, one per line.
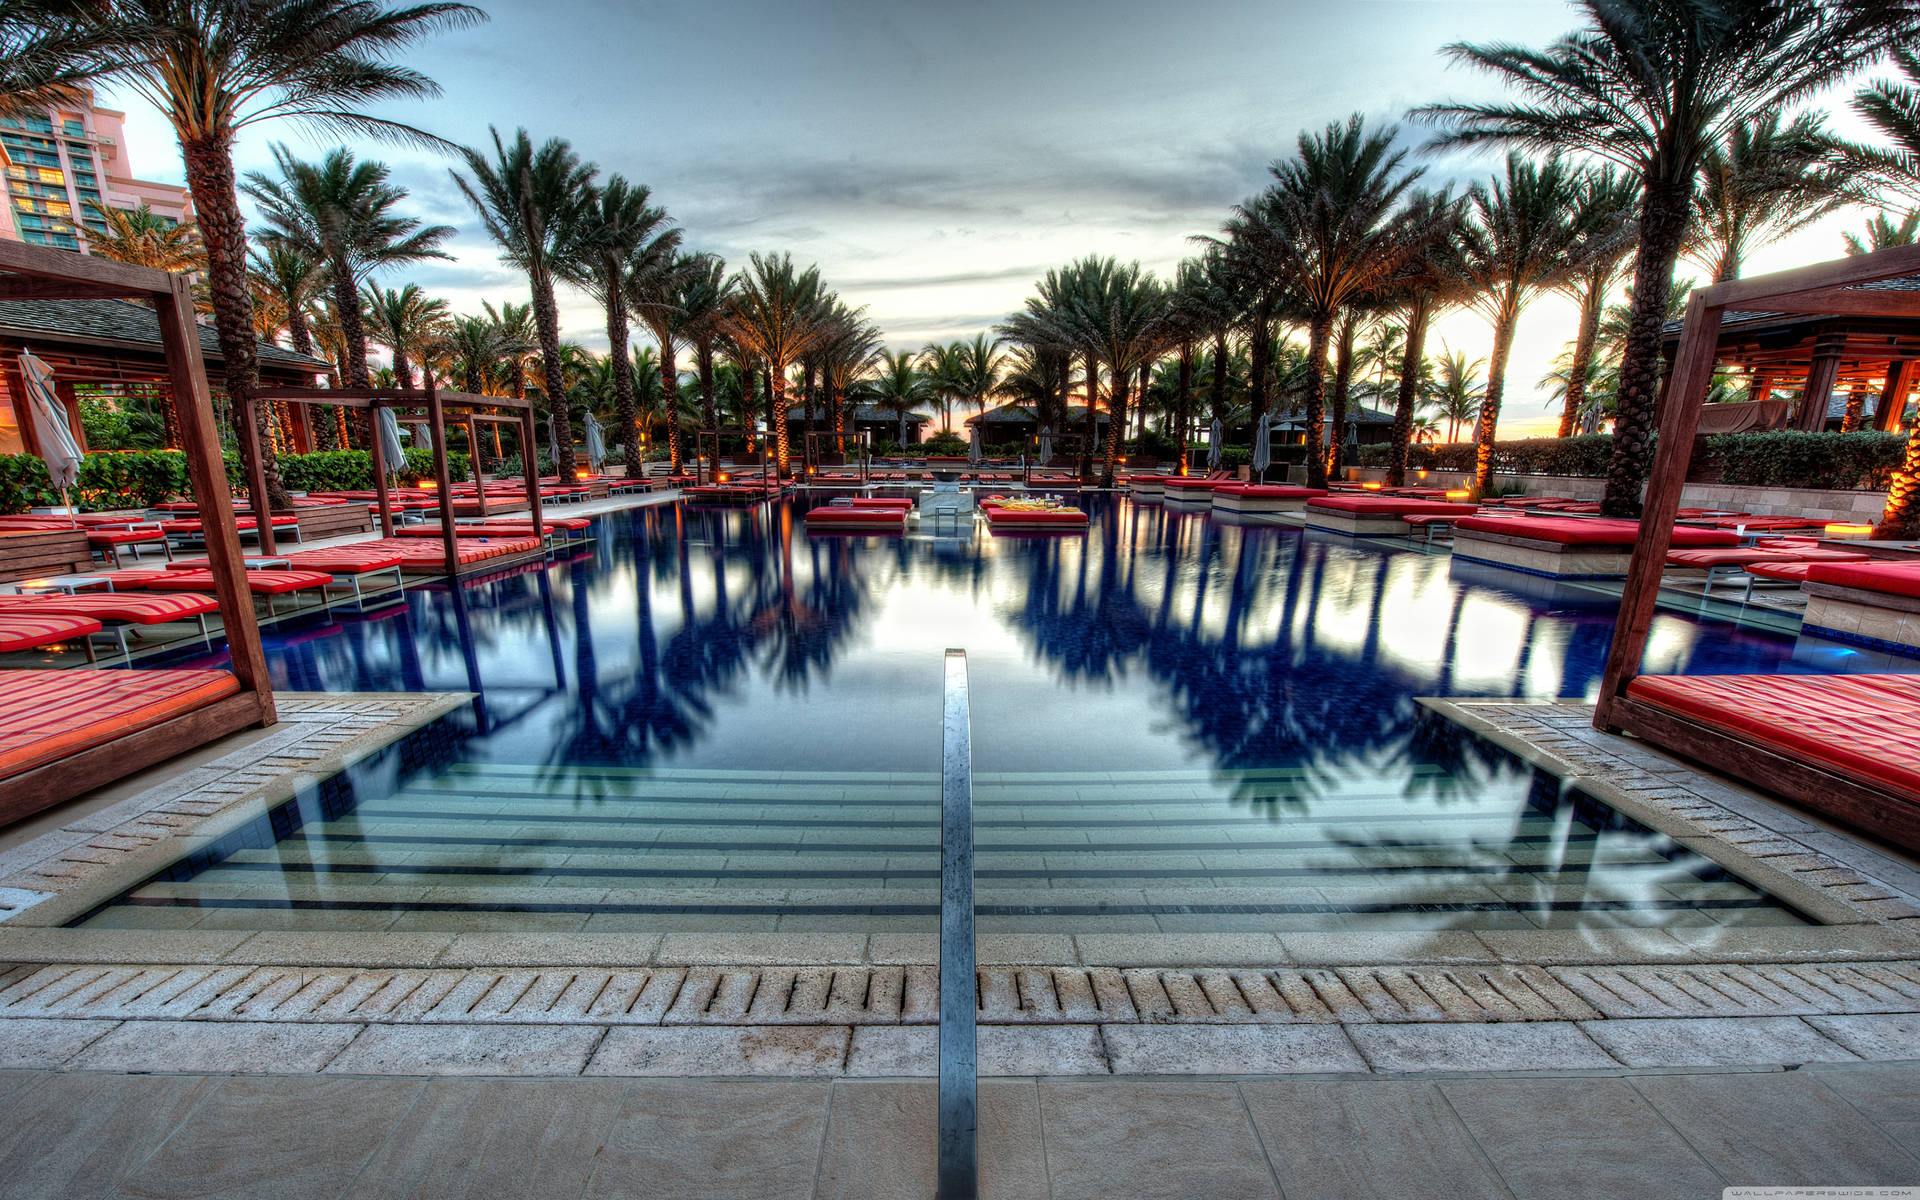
31	631
1566	547
118	611
1261	499
1370	515
1731	562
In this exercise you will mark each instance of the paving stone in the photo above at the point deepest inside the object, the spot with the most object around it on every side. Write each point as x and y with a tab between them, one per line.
469	1139
1002	1050
1150	1140
1562	1139
1777	1129
713	1141
1889	1037
1366	948
44	1043
1384	1138
723	1050
1183	949
1230	1050
611	950
1715	1041
468	1050
880	1142
215	1047
1885	1092
744	949
1528	1046
78	1135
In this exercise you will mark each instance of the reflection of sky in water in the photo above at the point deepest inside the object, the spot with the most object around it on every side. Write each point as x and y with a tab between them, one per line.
688	637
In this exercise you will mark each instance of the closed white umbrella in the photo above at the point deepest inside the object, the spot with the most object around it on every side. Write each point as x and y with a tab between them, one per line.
57	447
1046	444
1214	434
422	436
1262	448
391	446
973	447
596	444
553	444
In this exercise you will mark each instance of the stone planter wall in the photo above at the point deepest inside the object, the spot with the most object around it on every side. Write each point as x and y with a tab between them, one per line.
1831	505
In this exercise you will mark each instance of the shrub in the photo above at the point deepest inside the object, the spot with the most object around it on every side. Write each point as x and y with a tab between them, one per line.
1864	461
328	471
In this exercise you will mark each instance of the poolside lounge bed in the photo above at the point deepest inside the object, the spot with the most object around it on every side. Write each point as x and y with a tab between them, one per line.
876	518
1148	487
31	631
266	584
1001	516
1262	499
1191	489
117	612
1844	746
1724	563
1370	515
427	556
65	732
1566	547
1873	604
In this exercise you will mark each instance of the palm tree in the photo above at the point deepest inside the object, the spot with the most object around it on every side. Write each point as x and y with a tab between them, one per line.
1762	181
1456	393
1653	85
1432	280
407	322
1606	199
777	317
899	386
530	201
288	282
1882	231
705	296
1523	237
1126	321
616	251
941	365
342	214
1324	232
137	236
215	68
848	353
516	339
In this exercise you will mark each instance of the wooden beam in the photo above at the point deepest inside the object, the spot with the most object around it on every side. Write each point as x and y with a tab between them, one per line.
29	287
1893	395
1851	302
206	470
1821	377
389	398
443	480
1679	421
46	262
1759	291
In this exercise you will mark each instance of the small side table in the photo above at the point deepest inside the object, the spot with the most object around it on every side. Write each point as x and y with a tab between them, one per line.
68	584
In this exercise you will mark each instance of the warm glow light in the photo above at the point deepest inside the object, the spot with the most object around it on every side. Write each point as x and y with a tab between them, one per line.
722	477
583	474
1849	531
429	484
1460	494
1372	487
1421	473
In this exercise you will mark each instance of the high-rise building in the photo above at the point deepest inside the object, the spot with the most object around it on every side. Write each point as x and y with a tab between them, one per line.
64	166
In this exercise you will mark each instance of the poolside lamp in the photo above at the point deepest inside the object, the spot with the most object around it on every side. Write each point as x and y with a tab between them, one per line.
722	477
1460	494
1373	487
1844	531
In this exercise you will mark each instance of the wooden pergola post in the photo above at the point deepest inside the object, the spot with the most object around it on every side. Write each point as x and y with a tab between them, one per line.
1821	377
531	474
1679	420
479	472
378	449
1893	395
442	478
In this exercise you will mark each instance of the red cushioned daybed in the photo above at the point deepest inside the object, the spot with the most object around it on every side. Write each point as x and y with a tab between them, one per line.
1874	603
1565	547
1262	499
877	518
31	631
426	556
1846	746
1372	515
116	610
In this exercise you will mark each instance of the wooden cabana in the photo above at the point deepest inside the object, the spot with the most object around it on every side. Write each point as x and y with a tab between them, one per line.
111	724
1765	738
706	470
430	405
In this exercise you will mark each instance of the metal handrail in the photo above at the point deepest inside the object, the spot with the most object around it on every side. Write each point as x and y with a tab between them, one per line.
958	1145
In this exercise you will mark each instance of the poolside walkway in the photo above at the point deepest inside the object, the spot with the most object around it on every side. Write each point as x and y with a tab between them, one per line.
1609	1136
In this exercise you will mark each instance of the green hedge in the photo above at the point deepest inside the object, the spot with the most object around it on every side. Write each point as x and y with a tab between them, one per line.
143	478
1844	461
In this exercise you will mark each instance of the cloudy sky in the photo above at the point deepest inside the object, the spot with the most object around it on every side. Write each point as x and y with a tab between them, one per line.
934	158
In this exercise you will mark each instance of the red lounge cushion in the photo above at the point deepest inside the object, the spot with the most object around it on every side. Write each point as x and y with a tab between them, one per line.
1764	522
239	522
1738	556
1193	483
137	608
1589	531
415	553
123	537
1791	571
1893	578
1267	491
265	583
1052	516
1864	726
900	502
47	715
1387	506
344	560
25	630
847	515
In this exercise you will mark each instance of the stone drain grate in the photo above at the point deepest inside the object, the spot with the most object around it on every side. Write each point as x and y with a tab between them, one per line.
858	995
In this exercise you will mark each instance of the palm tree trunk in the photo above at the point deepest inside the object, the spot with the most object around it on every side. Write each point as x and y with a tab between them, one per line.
703	356
223	230
670	393
346	307
1090	431
1342	383
622	363
547	315
1319	333
810	374
836	417
1261	336
1488	426
1663	226
403	373
1116	423
1592	299
775	394
1183	406
1217	393
1900	520
1418	314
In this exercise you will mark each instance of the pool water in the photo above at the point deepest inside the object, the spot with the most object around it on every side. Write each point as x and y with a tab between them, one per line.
708	720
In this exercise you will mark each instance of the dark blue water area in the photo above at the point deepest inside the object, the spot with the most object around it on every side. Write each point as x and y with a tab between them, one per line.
729	638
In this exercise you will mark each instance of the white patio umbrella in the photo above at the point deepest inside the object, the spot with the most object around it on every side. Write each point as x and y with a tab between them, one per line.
973	447
1262	448
596	444
422	436
57	447
1214	434
1046	444
394	450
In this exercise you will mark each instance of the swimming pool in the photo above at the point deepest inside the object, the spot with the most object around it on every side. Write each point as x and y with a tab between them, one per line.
708	720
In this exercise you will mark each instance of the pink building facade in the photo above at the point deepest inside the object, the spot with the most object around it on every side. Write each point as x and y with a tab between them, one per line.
65	164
